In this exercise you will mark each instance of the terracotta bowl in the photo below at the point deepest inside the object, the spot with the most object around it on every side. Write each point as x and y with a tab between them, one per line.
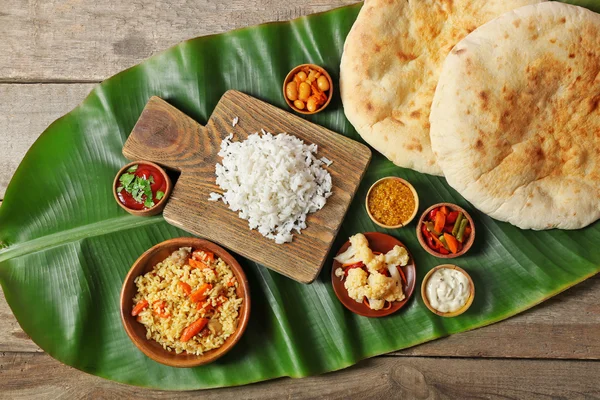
466	246
408	220
454	313
137	331
290	77
158	207
378	242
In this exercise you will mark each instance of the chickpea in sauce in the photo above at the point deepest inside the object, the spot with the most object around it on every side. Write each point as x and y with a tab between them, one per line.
308	90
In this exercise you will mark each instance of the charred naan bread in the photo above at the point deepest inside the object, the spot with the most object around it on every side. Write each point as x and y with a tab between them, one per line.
390	66
515	121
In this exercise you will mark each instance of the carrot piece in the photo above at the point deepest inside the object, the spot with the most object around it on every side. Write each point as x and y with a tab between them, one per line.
402	274
186	288
201	304
467	232
230	284
452	243
366	302
438	243
139	307
197	264
444	210
193	329
440	221
199	295
160	309
200	255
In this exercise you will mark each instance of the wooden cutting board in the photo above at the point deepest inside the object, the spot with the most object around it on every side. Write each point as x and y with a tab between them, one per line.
168	137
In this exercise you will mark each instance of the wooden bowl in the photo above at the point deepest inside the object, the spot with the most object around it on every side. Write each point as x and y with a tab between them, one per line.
290	77
460	310
137	332
158	207
466	246
403	223
378	242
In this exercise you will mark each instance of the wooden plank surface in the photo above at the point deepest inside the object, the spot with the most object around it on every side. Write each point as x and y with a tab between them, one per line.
84	40
30	375
166	136
25	111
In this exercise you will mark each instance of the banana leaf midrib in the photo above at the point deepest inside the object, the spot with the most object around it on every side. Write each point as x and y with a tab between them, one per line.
75	234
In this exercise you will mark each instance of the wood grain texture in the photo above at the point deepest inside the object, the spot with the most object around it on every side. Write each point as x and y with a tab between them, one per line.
25	111
168	137
85	40
12	337
28	375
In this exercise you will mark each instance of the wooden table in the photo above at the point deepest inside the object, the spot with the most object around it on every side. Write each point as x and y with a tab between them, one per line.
55	51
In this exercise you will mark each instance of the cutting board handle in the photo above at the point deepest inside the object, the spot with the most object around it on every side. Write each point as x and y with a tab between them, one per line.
165	135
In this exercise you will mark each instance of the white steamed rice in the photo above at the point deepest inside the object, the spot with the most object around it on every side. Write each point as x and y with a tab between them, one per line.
273	181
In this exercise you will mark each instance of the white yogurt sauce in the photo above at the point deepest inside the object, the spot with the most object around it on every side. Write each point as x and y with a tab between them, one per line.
447	290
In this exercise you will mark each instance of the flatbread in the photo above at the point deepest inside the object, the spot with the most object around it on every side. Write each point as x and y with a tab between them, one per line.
390	66
515	121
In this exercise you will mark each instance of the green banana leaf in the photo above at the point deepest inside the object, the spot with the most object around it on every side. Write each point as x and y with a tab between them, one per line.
67	245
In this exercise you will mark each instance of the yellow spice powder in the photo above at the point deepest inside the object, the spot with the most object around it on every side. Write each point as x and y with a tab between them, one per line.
391	202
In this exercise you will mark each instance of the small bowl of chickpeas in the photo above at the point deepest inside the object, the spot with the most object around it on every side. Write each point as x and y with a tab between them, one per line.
308	89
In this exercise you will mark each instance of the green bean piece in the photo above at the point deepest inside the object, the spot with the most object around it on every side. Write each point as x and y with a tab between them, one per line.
461	230
443	240
457	223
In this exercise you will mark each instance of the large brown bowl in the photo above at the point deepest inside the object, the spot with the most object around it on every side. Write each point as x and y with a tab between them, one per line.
378	242
158	207
466	246
137	331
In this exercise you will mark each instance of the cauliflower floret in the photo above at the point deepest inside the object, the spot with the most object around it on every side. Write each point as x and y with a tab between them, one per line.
379	285
358	251
363	251
356	284
380	288
397	256
395	294
376	304
376	263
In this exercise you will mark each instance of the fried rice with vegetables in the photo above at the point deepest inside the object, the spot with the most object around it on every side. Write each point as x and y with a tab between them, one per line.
188	302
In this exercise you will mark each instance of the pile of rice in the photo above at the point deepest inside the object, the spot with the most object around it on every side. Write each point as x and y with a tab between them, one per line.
162	284
274	181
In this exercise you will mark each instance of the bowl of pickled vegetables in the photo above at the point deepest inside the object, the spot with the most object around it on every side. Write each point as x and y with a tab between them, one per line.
308	89
446	230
